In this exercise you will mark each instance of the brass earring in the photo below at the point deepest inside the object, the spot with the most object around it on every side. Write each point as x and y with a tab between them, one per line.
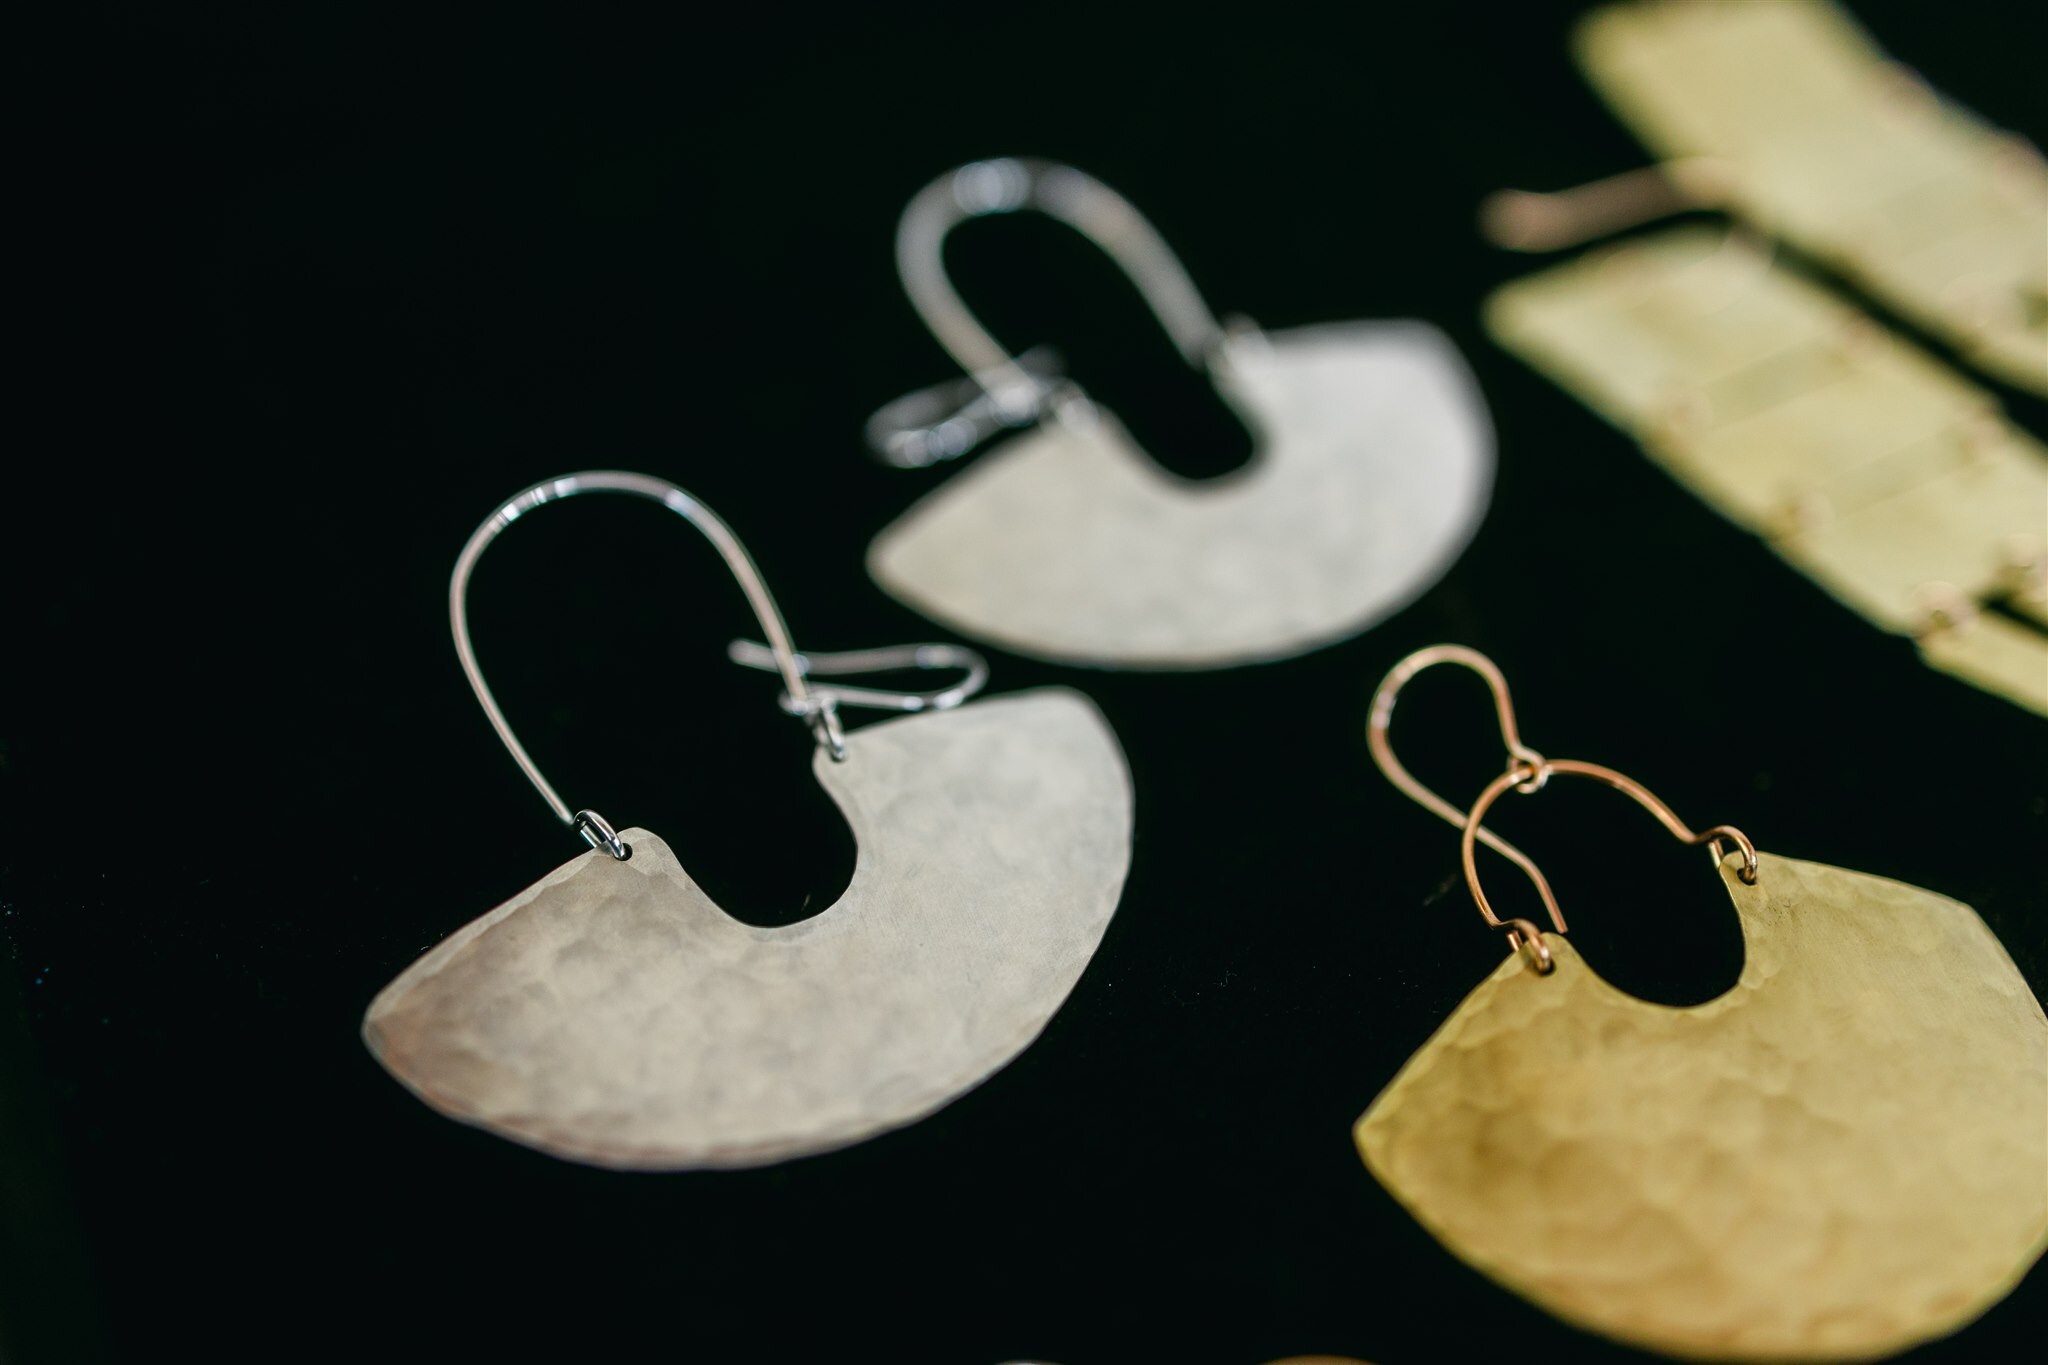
1839	1158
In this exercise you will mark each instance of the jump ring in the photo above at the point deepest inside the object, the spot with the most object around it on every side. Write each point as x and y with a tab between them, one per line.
598	833
1743	846
1524	937
1521	756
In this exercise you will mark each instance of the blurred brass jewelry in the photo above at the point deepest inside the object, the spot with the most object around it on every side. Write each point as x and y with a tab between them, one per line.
1787	115
1884	476
1842	1156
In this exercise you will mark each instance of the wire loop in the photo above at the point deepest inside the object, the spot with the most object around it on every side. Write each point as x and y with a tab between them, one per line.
1004	390
598	833
1381	718
817	706
1527	772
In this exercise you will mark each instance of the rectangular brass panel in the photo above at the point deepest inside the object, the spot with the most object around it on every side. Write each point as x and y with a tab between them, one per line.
1886	477
1826	142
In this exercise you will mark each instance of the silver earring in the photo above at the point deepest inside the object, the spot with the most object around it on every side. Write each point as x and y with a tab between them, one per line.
1373	466
612	1013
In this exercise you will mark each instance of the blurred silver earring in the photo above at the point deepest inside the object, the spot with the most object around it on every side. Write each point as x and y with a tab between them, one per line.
1372	467
612	1013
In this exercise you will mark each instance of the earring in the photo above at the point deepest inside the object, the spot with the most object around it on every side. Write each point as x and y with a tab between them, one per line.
1867	463
1372	467
1808	129
612	1013
1861	460
1840	1157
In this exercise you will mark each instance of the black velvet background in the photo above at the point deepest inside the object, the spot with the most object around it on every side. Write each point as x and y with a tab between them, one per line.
326	284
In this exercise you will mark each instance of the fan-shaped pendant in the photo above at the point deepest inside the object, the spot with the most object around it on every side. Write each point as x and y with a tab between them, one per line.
1374	463
1844	1155
612	1013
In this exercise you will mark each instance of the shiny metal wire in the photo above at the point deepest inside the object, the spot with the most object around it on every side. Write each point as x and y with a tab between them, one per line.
817	705
819	664
1378	739
1527	772
1520	932
1007	390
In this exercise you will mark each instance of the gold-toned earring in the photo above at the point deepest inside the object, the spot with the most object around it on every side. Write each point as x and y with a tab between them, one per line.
1789	117
1840	1157
1861	460
1867	463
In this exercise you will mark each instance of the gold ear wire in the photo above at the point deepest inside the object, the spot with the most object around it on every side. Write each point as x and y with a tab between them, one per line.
1527	772
1381	718
1520	932
1527	220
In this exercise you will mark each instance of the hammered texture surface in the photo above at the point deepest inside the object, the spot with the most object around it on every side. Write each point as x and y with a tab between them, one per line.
1845	1154
612	1013
1372	467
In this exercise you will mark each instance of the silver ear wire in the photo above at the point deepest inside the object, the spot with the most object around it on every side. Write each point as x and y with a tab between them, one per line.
817	707
1004	391
840	663
950	418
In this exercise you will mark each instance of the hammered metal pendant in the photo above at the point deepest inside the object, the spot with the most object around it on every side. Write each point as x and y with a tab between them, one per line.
1374	465
613	1014
1843	1156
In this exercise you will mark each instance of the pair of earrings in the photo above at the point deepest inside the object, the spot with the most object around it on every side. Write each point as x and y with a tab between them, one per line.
612	1013
1841	1156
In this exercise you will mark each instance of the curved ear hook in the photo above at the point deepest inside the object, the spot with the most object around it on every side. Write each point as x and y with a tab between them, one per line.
1006	390
1527	771
1528	220
1524	763
1522	934
817	706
